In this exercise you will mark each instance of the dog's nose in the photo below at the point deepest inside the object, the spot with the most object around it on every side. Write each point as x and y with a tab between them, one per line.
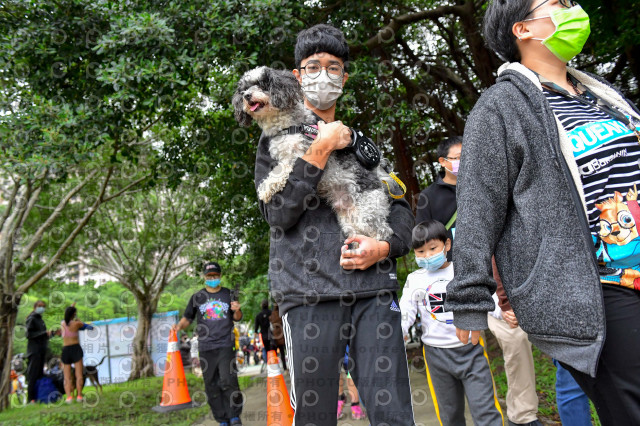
247	96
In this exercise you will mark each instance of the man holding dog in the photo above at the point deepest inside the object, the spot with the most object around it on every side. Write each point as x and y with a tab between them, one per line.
330	293
216	311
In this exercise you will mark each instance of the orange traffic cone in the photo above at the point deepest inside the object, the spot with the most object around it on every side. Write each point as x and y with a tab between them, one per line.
279	411
175	394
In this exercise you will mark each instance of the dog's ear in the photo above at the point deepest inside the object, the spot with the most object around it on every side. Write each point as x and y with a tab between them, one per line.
241	116
284	89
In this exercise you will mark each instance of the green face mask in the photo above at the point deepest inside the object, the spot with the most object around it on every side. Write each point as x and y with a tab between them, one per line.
572	32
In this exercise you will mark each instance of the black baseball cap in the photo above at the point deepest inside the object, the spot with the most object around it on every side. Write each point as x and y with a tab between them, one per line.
210	267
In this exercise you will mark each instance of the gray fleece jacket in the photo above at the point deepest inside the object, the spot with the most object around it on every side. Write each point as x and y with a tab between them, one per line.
520	197
304	257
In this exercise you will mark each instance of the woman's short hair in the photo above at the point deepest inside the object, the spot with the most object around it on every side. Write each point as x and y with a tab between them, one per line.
426	231
321	38
498	26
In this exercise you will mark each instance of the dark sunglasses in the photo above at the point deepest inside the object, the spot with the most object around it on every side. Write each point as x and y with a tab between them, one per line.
563	3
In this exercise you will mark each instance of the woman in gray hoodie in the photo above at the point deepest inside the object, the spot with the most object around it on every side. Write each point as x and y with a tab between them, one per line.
547	183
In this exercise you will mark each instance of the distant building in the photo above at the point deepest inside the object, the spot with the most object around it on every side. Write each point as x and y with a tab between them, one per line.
78	272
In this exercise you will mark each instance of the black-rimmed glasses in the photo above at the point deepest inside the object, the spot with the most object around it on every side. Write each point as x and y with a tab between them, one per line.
563	3
313	69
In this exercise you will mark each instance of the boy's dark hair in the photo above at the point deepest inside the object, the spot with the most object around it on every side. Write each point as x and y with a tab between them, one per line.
321	38
498	23
264	304
446	144
69	313
426	231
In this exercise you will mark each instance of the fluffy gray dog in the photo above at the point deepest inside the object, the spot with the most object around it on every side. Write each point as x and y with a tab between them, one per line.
275	101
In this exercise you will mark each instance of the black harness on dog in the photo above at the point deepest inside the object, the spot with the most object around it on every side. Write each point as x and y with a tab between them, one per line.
366	151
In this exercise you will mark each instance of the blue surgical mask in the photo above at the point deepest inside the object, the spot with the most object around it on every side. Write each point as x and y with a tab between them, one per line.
213	283
432	263
40	310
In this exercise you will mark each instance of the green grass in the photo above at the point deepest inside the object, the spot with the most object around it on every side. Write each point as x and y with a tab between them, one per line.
120	404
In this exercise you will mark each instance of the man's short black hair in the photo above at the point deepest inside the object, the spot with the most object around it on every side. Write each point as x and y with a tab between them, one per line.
498	24
446	144
321	38
426	231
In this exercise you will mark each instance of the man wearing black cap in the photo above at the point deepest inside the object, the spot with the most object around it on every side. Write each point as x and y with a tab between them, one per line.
216	311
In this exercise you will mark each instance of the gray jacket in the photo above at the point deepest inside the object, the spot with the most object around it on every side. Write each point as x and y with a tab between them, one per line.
520	197
304	257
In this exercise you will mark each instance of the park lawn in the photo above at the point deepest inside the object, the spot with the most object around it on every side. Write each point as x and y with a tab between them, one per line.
120	404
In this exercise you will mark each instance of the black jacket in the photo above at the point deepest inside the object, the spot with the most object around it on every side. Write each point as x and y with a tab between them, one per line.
304	257
36	334
262	322
438	202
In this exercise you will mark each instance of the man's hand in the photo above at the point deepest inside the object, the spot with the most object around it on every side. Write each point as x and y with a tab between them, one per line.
369	252
510	318
333	136
235	306
175	328
463	336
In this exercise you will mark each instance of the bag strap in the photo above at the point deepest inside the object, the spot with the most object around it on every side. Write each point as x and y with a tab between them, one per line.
453	219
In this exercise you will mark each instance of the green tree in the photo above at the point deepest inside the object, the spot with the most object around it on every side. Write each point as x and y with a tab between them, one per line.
90	91
144	241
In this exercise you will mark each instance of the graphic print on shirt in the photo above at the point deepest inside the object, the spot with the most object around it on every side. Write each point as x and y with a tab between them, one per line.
619	239
434	302
607	155
214	309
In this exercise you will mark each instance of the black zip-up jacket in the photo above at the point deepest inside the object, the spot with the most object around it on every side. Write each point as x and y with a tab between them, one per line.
304	257
438	202
520	197
37	336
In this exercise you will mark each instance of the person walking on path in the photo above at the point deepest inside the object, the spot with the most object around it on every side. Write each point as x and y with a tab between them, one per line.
215	312
330	293
37	343
548	184
454	369
262	325
438	200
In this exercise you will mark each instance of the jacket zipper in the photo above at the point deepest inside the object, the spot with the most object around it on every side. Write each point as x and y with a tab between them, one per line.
577	202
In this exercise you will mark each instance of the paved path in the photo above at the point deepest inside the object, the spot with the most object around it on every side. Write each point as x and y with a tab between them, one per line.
255	409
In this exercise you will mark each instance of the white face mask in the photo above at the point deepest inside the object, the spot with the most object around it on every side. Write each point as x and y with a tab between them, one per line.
322	92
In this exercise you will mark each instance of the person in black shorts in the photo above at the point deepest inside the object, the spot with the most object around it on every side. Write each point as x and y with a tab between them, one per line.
72	352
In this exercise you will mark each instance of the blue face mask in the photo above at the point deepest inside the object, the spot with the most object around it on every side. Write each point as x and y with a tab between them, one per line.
432	263
213	283
40	310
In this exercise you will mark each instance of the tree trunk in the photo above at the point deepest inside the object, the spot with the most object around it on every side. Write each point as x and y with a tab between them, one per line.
8	314
142	364
404	165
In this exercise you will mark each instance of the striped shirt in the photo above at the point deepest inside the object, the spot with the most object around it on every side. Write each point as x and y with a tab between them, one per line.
607	154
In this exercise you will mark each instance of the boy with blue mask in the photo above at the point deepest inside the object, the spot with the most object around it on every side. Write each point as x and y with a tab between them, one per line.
453	368
216	312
